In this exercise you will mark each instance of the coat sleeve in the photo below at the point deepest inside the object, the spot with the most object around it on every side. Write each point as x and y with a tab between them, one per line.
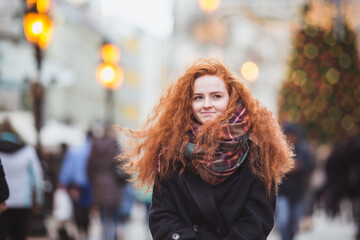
165	221
257	218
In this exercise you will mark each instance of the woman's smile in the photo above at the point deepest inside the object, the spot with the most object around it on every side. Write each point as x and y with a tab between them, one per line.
208	114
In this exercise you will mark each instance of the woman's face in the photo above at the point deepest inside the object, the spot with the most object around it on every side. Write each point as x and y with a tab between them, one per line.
210	98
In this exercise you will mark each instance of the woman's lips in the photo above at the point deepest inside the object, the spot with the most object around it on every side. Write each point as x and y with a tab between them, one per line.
207	113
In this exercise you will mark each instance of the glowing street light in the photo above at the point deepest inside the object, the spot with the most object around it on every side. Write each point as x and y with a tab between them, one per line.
38	30
209	5
110	53
110	75
249	71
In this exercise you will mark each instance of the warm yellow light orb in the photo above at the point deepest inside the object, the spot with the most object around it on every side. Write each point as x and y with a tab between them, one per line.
107	74
110	75
209	5
38	29
43	5
250	71
110	53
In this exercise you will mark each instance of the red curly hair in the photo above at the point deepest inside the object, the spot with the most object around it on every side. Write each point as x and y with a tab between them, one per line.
165	131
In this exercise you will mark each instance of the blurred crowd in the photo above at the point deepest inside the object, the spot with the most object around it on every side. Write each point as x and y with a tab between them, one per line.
68	185
325	178
75	182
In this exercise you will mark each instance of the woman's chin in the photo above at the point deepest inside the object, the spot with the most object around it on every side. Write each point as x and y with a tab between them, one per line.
207	119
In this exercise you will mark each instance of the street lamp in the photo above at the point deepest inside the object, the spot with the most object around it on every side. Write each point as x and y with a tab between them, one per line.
110	75
209	5
38	30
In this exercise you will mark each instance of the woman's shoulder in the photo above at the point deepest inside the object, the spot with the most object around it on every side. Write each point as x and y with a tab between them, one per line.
176	175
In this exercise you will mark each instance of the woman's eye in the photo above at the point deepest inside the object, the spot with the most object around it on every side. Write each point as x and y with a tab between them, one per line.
197	97
217	96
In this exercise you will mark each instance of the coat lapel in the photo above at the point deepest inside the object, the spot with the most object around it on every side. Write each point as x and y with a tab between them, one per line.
202	193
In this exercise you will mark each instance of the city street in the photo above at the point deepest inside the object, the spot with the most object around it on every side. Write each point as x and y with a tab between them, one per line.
323	228
220	106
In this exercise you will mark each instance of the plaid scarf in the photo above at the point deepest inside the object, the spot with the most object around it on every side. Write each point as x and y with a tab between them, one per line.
230	153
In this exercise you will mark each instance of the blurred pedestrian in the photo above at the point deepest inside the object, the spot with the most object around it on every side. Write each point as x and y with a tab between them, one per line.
73	177
106	180
343	180
4	192
290	203
127	198
24	174
53	161
215	156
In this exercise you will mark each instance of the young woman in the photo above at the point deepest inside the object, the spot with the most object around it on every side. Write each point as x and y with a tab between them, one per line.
215	157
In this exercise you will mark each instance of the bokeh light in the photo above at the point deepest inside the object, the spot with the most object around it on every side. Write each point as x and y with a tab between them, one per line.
209	5
38	29
310	50
110	75
110	53
249	71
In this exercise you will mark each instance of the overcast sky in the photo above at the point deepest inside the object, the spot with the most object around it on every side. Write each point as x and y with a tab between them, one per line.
153	16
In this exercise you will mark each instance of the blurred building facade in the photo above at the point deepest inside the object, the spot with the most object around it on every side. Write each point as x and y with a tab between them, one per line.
68	73
237	32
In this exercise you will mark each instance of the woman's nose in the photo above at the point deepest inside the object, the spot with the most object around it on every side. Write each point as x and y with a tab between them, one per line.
207	103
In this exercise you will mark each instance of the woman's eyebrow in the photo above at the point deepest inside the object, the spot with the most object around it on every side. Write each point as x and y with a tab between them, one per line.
210	92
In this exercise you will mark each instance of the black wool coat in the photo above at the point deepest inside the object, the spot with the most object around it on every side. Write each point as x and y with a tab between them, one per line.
186	207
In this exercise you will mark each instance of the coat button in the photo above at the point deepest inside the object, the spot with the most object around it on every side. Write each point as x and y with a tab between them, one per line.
219	231
196	228
175	236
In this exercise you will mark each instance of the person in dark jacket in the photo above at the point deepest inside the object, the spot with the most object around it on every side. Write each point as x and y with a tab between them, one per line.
4	190
215	156
291	197
106	181
343	180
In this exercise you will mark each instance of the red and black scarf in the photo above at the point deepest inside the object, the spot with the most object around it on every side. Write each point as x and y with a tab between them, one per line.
230	153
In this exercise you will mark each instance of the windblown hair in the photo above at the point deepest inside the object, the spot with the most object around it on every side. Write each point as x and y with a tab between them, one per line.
157	146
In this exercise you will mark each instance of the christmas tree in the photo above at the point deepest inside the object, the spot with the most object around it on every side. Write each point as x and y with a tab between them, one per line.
321	91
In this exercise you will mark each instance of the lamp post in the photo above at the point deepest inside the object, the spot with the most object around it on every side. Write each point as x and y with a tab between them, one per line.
110	75
38	29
